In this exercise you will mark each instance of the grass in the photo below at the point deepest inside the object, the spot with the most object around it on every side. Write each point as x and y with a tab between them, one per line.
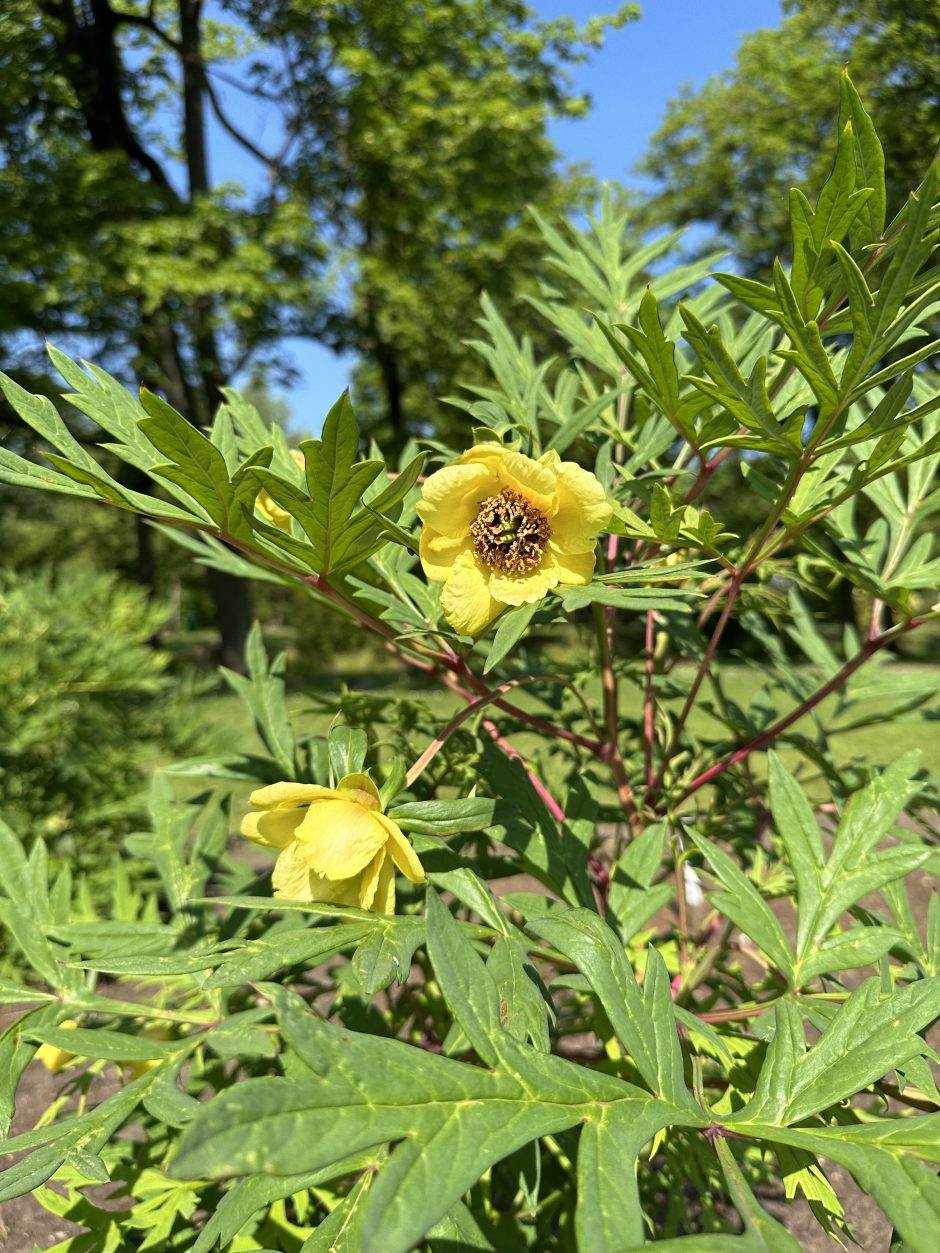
844	740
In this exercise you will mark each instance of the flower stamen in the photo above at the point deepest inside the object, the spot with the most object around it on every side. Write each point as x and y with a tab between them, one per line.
509	533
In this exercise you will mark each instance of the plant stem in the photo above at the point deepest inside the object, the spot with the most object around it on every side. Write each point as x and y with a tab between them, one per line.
649	705
733	588
868	650
611	747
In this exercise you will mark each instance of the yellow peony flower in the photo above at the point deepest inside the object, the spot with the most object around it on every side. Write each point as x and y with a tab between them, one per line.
336	844
501	529
52	1057
268	507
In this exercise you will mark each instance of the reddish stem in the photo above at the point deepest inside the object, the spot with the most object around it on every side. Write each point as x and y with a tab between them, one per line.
868	650
649	712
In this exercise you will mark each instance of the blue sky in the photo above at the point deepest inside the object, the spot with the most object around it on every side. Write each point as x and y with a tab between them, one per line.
629	81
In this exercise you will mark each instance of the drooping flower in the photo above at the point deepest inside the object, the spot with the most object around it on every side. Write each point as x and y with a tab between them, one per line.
336	844
268	507
502	529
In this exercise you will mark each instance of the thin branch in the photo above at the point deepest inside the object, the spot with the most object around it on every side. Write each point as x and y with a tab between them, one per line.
457	721
649	703
868	650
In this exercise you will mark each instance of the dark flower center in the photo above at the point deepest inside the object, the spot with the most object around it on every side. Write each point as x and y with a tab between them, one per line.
509	533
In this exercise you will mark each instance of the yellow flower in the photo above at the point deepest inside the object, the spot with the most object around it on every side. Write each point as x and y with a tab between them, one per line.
336	844
501	529
52	1057
268	507
133	1070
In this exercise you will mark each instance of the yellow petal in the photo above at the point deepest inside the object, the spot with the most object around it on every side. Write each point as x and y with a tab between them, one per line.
271	511
339	838
369	879
466	601
338	892
384	900
288	795
537	483
523	589
573	567
440	552
291	877
361	789
450	498
403	855
274	828
51	1056
582	511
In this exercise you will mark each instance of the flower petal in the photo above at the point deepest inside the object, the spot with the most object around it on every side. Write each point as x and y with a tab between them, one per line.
403	855
288	795
536	482
440	552
339	838
291	877
273	828
573	567
369	879
384	901
523	589
466	601
451	497
583	509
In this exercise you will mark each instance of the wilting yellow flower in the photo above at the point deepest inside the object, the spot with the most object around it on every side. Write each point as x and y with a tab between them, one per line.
268	507
52	1057
501	529
336	844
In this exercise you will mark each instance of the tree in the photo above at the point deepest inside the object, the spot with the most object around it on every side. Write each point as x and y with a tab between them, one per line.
766	124
422	138
409	140
114	231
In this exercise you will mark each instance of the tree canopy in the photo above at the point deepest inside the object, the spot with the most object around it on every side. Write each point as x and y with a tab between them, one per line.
406	142
726	154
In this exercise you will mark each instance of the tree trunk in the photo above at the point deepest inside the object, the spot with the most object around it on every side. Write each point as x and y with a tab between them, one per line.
231	595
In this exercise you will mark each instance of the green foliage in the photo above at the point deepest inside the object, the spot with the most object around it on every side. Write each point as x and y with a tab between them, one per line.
728	153
654	973
87	707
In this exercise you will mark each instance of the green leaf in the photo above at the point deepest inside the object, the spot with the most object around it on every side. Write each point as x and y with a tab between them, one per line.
197	465
347	748
454	1120
443	817
259	959
386	953
524	1005
90	1132
510	629
632	900
99	1042
608	1214
263	693
647	1033
639	599
742	903
882	1157
335	480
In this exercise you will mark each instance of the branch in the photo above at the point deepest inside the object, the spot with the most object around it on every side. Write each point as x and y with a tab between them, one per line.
868	650
273	163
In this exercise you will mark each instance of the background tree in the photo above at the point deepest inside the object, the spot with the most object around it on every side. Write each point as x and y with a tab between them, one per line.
725	153
422	138
407	144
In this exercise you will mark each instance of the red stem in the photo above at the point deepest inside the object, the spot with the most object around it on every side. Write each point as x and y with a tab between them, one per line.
649	713
868	650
